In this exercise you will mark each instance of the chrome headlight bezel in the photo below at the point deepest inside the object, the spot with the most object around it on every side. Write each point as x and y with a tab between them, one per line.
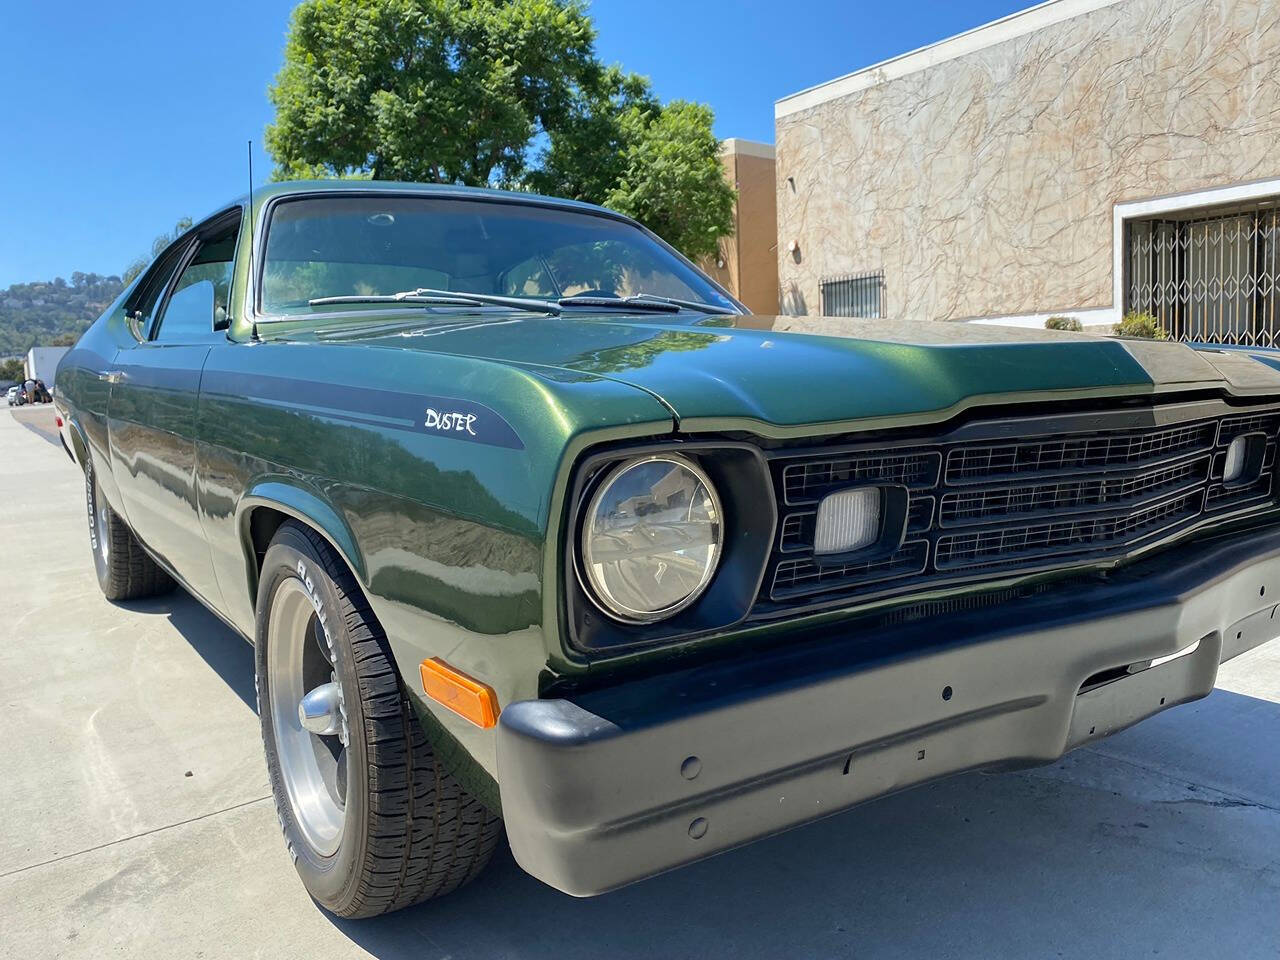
599	591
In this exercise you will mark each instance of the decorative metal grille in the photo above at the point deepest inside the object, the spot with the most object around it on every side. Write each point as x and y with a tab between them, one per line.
1208	279
983	504
858	295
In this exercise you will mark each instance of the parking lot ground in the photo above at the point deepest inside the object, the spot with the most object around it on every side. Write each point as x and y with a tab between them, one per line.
137	823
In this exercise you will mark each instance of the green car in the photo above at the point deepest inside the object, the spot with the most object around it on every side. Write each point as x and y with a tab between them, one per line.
534	528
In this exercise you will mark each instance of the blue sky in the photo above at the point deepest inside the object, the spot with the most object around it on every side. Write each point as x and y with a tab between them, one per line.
119	118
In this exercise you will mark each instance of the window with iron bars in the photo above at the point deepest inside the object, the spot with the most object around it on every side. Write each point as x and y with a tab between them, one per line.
853	295
1208	277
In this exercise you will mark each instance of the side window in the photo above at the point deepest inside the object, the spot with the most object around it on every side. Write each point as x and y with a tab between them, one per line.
146	299
198	301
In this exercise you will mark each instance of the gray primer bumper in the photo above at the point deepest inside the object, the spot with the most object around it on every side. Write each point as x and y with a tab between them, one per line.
600	792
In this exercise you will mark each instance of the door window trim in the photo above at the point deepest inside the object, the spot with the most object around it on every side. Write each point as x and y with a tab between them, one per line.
181	252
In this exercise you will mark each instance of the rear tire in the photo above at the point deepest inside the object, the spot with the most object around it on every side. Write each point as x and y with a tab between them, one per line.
125	570
373	821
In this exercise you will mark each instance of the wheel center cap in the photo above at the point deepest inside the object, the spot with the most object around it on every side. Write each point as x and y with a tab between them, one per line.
320	711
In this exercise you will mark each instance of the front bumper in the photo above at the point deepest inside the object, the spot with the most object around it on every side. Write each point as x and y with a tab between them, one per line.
618	785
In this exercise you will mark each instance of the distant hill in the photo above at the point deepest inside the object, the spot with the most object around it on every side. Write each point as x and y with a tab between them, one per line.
37	314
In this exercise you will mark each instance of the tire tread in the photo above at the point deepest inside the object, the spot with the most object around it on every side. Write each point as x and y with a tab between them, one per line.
427	835
131	574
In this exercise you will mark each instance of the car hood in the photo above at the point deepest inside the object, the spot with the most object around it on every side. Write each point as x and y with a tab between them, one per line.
786	372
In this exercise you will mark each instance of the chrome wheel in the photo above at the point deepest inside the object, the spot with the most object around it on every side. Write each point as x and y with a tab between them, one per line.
308	716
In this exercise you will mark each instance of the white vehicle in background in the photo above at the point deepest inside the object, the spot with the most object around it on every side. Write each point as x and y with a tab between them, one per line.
14	396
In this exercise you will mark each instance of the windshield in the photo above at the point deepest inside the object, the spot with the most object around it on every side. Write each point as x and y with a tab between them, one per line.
372	246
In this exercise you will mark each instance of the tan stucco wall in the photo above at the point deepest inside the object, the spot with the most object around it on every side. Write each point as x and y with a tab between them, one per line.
750	268
984	185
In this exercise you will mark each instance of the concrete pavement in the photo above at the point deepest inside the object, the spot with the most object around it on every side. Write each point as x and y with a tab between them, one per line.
136	820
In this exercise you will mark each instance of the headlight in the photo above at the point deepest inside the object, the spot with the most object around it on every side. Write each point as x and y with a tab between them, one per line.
652	538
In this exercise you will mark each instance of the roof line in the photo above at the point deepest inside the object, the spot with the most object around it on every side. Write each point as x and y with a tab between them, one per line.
747	148
1015	25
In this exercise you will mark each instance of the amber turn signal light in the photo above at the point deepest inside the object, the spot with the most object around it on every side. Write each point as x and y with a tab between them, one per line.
468	698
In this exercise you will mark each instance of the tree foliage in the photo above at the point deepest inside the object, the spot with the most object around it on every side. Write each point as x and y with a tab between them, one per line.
40	314
492	93
673	181
430	90
1141	324
1064	323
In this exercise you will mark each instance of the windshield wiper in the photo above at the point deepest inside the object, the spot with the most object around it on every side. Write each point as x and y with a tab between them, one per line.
645	301
431	297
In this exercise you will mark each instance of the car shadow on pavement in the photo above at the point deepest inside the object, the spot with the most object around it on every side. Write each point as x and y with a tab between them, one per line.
227	653
39	420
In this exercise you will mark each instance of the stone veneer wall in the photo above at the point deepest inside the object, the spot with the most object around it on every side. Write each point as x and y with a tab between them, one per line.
984	185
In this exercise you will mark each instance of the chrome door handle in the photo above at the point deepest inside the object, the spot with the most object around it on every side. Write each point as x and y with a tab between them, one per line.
112	376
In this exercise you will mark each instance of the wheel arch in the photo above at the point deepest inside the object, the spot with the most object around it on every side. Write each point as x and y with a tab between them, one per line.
267	505
79	447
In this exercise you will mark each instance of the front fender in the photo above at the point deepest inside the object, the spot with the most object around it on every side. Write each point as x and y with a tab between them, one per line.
291	498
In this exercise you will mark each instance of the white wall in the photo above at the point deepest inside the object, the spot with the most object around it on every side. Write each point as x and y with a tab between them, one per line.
41	363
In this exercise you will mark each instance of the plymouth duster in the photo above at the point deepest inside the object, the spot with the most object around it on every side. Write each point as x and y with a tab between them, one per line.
538	533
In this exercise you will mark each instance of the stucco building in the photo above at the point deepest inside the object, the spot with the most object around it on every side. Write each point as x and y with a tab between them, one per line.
1082	157
746	264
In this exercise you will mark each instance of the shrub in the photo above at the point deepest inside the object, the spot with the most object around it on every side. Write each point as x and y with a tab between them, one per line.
1064	323
1140	324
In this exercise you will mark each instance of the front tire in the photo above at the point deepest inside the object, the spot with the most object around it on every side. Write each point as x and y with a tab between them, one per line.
125	570
373	821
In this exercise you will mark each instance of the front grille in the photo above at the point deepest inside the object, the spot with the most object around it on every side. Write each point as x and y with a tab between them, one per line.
1032	495
810	482
804	577
977	464
981	506
1006	545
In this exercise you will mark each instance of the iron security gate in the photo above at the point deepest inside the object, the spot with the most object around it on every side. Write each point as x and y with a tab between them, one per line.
856	295
1208	278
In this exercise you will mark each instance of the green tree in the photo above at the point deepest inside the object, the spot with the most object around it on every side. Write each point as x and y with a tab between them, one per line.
44	312
459	91
11	369
673	182
586	155
449	91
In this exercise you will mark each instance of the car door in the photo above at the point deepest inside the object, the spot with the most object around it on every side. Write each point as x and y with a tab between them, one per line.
155	388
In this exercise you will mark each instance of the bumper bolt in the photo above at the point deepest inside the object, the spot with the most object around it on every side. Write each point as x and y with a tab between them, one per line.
691	767
698	829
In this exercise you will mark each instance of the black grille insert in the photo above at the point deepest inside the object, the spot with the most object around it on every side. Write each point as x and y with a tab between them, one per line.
980	463
807	482
806	577
1014	544
1091	493
985	508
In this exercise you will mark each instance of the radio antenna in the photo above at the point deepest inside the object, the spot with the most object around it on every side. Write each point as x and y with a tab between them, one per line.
249	214
250	144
